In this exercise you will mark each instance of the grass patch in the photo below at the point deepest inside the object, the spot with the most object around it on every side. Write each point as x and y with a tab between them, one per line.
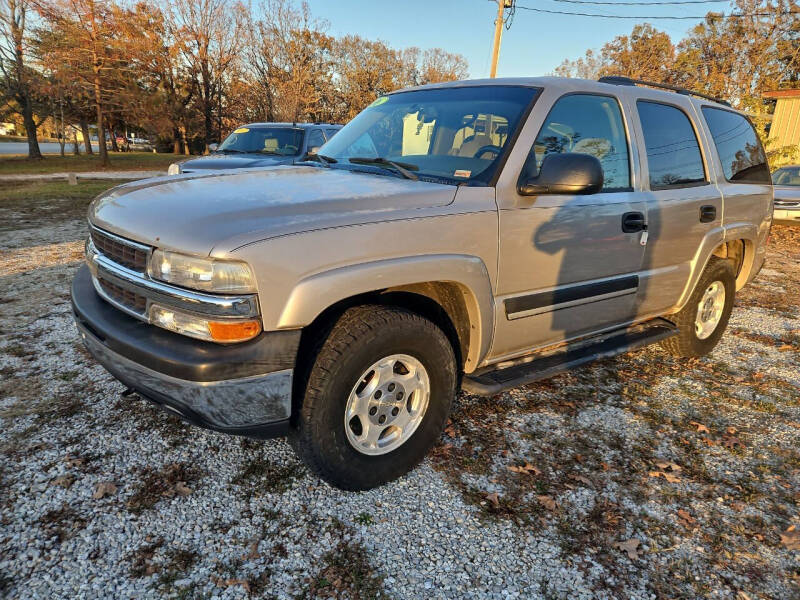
258	475
128	161
61	523
346	573
23	192
164	483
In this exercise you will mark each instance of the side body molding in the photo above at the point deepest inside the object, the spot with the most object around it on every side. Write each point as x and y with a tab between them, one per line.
311	296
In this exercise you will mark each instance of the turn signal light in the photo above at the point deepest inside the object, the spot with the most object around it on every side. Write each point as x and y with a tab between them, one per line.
233	331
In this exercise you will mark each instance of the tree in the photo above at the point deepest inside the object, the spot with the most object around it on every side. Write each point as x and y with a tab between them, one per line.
19	80
212	31
80	37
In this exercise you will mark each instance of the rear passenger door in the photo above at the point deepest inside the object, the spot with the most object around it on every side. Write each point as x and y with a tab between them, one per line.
684	206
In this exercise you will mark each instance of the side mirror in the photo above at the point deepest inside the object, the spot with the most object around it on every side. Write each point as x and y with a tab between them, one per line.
569	173
213	147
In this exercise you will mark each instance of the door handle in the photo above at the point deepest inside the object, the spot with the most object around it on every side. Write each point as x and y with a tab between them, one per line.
708	213
633	222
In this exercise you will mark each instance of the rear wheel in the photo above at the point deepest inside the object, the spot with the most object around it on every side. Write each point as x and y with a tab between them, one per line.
377	397
704	318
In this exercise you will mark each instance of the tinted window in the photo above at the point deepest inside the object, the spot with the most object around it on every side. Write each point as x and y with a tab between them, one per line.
587	124
283	141
787	176
739	150
330	132
315	138
673	154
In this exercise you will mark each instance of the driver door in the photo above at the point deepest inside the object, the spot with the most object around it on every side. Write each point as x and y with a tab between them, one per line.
566	266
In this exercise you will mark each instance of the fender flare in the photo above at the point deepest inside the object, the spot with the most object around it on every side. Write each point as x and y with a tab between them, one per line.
719	235
312	295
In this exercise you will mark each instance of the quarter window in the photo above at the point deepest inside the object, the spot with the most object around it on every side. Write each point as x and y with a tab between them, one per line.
673	154
587	124
743	159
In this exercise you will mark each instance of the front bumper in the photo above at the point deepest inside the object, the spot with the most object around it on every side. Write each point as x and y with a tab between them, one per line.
786	215
243	389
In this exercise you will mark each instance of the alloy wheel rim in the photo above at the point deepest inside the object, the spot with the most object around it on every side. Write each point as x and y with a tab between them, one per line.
709	310
387	404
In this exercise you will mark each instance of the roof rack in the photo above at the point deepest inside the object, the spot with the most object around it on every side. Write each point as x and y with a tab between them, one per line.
619	80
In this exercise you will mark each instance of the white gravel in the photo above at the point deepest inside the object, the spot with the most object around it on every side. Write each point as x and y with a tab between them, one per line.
431	534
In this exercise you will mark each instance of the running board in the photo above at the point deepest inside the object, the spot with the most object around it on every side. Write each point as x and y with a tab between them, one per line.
492	380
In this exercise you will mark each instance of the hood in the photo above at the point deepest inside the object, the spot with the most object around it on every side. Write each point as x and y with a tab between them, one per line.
225	210
234	161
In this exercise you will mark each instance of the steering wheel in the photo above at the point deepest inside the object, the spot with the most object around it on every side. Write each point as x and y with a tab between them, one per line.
487	148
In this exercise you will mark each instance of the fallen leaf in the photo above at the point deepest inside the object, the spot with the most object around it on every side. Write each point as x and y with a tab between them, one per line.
73	461
740	595
181	489
791	538
582	479
494	499
630	547
526	468
668	476
64	481
668	466
605	466
104	489
785	348
700	427
731	442
450	430
685	518
547	502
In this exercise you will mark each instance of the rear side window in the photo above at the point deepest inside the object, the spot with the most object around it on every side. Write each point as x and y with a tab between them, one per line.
743	159
673	154
587	124
330	132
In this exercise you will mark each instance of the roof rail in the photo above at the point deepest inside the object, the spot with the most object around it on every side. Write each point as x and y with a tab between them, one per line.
619	80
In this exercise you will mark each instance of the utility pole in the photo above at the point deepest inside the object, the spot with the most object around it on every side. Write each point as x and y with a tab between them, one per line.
502	5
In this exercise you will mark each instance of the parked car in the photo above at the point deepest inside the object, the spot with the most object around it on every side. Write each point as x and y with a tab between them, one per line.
137	144
787	195
261	145
482	234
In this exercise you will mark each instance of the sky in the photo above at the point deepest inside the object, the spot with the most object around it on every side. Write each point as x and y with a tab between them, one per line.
535	44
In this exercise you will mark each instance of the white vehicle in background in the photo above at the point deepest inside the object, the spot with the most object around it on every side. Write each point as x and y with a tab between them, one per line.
787	195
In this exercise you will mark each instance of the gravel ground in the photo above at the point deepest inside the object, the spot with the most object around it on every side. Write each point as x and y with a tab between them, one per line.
638	477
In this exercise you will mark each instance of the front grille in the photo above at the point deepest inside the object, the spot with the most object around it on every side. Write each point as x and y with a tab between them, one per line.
128	299
127	255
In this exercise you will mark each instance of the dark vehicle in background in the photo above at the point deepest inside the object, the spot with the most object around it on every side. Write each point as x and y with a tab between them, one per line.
787	195
261	145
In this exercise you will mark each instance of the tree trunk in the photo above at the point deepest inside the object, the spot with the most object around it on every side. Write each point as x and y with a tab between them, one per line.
30	130
62	130
184	141
87	140
76	147
113	136
176	141
101	129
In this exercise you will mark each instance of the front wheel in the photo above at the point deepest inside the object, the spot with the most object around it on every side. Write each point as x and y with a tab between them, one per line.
703	320
377	397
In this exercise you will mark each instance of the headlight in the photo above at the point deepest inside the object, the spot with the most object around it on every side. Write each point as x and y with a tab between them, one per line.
174	169
205	274
203	328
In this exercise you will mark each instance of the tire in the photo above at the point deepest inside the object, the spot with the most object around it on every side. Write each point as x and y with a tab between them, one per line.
362	336
693	340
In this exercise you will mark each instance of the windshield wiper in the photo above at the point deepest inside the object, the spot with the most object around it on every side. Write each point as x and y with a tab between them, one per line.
403	168
232	151
320	158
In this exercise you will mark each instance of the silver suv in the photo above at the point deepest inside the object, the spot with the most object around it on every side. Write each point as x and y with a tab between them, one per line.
476	234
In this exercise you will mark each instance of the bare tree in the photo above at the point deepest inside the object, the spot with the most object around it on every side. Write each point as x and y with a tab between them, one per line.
18	83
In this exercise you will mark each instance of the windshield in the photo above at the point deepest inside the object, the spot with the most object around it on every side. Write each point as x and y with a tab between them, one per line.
787	176
455	133
281	141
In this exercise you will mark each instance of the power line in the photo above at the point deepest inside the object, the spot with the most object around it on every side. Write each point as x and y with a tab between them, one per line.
719	15
641	3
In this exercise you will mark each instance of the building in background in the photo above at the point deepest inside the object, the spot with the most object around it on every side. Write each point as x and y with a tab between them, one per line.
785	128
